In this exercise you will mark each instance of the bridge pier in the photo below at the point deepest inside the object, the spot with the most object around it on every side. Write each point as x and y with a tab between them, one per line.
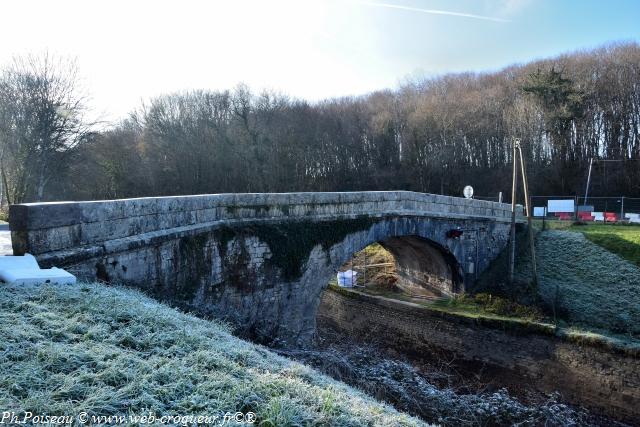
260	261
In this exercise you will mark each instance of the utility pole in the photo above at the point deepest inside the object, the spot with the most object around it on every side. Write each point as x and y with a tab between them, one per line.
586	191
517	151
527	201
514	190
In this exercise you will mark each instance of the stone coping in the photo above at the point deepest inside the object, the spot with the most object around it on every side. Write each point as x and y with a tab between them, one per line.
35	216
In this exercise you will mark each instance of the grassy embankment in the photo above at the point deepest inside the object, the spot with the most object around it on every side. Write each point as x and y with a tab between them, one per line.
580	282
589	285
621	239
113	351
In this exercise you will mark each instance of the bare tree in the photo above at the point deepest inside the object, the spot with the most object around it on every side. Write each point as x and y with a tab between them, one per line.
435	135
41	121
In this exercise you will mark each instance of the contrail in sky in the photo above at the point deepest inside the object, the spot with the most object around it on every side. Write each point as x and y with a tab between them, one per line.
434	11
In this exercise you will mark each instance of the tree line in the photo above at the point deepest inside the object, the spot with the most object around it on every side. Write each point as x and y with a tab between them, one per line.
431	135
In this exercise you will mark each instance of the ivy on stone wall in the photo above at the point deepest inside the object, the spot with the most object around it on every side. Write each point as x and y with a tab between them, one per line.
291	243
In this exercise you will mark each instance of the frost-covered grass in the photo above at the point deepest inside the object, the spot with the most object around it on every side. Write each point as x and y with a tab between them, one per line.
587	284
113	351
623	240
582	286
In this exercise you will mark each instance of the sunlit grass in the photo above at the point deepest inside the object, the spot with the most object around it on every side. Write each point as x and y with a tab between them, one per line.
491	306
623	240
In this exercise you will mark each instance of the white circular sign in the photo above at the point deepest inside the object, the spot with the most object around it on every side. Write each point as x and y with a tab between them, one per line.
468	192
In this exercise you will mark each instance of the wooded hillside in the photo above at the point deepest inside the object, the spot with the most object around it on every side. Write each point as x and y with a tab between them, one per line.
433	135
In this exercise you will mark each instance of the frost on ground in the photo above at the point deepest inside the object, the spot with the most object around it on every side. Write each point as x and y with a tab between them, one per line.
587	284
367	367
112	351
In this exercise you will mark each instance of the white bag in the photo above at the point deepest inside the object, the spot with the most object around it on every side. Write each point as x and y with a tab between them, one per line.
347	279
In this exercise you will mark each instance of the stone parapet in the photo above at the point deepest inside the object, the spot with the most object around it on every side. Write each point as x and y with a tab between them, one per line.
38	228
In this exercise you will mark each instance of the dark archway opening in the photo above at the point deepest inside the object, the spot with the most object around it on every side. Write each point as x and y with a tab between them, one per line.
406	267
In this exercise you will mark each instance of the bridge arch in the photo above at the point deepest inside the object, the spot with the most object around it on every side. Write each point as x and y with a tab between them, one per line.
420	263
425	257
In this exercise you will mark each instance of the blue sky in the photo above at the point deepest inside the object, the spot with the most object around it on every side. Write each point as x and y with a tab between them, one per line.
131	50
433	44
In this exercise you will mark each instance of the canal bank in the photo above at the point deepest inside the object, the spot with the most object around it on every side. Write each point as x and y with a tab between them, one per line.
599	374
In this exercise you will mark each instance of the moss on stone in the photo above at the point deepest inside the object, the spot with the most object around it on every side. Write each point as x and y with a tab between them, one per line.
291	243
232	211
223	235
193	255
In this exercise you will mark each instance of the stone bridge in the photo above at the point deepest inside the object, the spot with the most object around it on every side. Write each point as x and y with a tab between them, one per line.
261	261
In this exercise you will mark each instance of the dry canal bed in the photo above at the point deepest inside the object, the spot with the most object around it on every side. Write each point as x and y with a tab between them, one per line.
458	370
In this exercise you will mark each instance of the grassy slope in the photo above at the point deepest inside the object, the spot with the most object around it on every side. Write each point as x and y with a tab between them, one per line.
114	351
621	240
594	286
